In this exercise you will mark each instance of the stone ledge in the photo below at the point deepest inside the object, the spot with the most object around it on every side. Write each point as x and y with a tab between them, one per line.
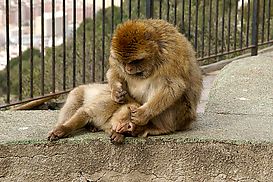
217	148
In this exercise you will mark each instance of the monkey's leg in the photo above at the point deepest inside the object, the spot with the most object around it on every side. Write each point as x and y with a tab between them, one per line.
77	121
73	102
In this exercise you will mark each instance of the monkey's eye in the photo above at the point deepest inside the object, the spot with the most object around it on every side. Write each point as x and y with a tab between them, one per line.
136	61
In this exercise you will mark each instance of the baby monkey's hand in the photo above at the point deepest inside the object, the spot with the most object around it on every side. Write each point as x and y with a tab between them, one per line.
118	94
127	127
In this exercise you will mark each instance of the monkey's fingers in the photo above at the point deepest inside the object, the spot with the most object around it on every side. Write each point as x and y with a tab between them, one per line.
117	138
125	127
121	93
133	108
119	96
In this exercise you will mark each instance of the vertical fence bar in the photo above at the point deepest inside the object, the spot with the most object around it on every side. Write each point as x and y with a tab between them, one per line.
64	46
203	29
248	20
149	8
112	17
93	67
242	24
210	14
130	9
189	20
53	46
216	27
160	9
42	49
121	11
20	47
255	27
83	44
175	12
268	20
196	26
229	22
138	8
235	24
31	48
168	10
182	28
7	49
74	42
223	26
103	40
263	20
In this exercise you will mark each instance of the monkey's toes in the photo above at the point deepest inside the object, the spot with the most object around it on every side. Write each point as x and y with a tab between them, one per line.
52	137
117	138
57	133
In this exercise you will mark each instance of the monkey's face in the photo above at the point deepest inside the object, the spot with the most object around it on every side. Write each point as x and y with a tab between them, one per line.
134	47
138	68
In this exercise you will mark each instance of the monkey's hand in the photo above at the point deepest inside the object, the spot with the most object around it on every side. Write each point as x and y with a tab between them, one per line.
139	115
116	138
127	127
118	94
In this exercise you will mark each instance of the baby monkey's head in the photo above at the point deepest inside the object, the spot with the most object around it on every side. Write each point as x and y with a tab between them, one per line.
135	48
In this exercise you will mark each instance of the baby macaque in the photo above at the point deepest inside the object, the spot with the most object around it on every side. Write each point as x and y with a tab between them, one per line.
91	105
156	65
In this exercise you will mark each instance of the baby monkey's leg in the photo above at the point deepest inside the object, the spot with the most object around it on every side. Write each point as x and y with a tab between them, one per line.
77	121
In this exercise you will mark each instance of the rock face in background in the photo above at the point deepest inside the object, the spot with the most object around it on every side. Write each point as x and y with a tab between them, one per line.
231	141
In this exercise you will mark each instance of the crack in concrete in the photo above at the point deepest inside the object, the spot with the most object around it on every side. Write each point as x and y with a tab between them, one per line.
237	114
32	157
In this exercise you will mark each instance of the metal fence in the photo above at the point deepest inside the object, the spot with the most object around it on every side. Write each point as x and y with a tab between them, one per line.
218	29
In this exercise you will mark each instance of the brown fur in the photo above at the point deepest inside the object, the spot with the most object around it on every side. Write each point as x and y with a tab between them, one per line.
92	106
157	66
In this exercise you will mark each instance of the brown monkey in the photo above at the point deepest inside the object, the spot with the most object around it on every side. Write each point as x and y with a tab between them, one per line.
157	66
91	105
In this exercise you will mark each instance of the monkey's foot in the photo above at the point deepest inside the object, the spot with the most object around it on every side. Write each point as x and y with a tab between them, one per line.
118	94
117	138
125	127
57	133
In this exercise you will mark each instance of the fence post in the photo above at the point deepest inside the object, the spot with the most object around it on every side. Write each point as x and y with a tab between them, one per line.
255	27
149	8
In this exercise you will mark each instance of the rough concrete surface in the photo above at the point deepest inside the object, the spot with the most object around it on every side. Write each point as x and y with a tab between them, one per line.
231	141
244	87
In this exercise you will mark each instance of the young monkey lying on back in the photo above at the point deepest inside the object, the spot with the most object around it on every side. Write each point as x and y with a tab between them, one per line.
91	105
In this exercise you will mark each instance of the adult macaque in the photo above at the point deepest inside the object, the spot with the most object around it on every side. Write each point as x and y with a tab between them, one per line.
156	65
91	105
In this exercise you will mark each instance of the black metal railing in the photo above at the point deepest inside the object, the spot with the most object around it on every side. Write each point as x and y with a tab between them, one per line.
69	44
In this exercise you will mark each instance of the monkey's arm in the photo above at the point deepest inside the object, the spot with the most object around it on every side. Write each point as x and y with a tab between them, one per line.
116	83
162	98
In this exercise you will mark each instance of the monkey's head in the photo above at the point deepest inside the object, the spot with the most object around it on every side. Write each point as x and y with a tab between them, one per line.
135	48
